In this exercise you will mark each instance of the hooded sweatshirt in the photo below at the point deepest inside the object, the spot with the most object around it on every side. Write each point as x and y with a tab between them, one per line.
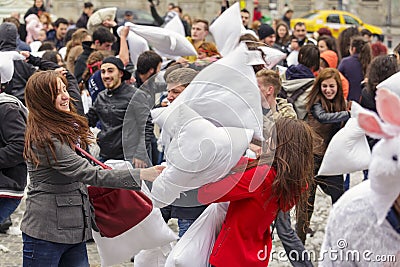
13	170
22	70
294	78
332	59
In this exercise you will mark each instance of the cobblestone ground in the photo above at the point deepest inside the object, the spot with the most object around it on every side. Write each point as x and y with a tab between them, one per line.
13	240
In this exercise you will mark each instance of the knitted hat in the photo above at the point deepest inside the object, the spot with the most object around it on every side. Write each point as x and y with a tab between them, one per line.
264	31
118	63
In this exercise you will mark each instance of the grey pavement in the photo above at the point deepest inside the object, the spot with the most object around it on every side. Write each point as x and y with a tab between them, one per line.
13	241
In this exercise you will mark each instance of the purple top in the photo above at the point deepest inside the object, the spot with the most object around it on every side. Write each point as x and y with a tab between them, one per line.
351	68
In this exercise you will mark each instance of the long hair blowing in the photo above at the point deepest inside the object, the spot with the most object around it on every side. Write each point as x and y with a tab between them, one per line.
337	103
45	121
293	161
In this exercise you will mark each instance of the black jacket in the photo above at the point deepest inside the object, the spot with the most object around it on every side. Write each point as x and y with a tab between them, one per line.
35	10
82	21
326	124
80	64
110	107
368	102
13	169
52	37
22	70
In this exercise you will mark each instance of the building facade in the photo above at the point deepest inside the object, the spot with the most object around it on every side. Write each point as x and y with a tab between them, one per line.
378	12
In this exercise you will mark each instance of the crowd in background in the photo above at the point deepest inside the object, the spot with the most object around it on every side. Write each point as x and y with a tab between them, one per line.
98	72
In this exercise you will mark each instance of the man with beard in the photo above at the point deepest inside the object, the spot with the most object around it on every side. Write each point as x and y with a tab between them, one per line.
110	106
300	32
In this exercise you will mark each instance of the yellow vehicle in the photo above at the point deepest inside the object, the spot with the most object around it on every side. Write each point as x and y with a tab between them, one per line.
335	20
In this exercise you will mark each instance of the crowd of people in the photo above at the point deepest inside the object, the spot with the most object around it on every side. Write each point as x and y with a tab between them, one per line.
67	80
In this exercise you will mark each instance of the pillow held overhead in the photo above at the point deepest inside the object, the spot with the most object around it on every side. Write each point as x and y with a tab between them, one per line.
176	25
226	29
226	93
97	18
167	42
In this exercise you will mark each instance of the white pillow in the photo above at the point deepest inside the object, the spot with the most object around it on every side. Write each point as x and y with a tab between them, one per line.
195	246
247	31
155	257
7	64
136	44
226	29
176	25
150	233
35	46
272	56
97	18
167	43
226	93
199	152
391	83
348	151
63	51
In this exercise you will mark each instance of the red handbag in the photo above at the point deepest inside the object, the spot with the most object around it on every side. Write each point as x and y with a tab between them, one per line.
116	210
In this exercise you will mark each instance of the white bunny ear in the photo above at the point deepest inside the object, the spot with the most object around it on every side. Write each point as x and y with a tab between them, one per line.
372	125
387	105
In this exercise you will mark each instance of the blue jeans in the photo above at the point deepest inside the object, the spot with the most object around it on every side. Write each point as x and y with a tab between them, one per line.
37	253
7	207
347	180
184	225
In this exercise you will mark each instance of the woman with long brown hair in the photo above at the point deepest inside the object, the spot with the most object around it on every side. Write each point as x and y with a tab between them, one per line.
246	229
327	112
282	35
57	220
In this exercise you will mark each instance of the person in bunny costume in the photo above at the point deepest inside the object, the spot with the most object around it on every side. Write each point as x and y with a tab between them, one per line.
363	228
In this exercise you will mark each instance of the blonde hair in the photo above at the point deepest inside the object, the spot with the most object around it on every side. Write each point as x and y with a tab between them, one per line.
270	77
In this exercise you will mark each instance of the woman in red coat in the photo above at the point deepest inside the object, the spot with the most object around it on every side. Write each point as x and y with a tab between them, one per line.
245	237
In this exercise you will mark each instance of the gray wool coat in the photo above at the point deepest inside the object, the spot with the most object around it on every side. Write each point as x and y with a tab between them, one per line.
57	205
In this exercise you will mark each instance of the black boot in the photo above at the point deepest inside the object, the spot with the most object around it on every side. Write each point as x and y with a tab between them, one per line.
5	225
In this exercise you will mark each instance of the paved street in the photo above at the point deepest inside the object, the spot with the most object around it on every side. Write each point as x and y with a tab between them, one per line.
13	241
